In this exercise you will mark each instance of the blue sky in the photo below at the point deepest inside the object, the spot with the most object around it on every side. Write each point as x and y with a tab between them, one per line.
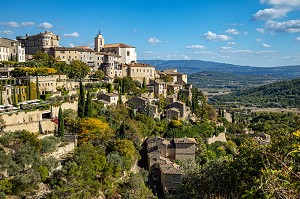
245	32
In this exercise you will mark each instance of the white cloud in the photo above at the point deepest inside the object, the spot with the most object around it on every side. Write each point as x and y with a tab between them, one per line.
226	48
260	30
72	45
203	52
210	36
266	45
153	40
74	34
225	57
284	3
298	39
231	43
259	40
27	23
6	32
232	31
45	25
11	24
291	26
250	52
235	24
270	13
195	47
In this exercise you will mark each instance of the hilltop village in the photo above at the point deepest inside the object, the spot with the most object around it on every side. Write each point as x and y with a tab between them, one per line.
77	117
33	91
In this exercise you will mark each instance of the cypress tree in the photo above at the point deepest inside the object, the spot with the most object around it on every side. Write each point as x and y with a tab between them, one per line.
37	87
81	101
61	124
1	96
20	94
88	105
110	88
144	83
29	90
120	99
14	94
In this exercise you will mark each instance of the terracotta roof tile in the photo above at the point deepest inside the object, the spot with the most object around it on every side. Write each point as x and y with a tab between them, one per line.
119	45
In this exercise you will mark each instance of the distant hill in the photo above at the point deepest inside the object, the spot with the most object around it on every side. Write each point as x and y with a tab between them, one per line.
216	80
279	94
194	66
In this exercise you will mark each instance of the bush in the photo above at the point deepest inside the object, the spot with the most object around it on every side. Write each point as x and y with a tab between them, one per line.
49	144
5	186
44	172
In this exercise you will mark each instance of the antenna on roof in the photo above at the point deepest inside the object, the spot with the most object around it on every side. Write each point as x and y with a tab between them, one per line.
99	32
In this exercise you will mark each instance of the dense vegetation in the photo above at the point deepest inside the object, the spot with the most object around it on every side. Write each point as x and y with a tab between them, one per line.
279	94
242	168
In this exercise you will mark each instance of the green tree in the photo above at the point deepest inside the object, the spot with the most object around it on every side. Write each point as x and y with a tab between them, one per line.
1	95
127	150
78	69
81	101
37	86
61	124
99	75
88	105
144	83
110	88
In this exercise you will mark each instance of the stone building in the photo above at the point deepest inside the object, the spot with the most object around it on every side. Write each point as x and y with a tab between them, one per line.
35	43
161	154
184	110
66	54
126	52
160	87
4	52
111	98
178	78
11	50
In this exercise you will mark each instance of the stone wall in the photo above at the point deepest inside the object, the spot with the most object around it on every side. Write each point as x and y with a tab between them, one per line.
64	106
221	137
32	120
34	127
63	150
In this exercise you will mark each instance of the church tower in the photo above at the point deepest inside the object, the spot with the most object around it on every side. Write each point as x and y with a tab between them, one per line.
99	42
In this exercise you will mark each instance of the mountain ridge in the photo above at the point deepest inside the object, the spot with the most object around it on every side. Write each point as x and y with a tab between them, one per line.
194	66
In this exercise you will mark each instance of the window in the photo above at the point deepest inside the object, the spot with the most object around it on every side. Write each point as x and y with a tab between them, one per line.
128	53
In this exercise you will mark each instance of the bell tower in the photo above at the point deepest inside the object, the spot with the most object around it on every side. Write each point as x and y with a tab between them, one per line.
99	42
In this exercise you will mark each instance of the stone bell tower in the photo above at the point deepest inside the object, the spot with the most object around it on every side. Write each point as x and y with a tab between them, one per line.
99	42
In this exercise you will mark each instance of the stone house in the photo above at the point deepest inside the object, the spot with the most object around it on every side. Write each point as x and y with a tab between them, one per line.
160	87
172	113
181	107
178	78
111	98
161	154
185	148
142	104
